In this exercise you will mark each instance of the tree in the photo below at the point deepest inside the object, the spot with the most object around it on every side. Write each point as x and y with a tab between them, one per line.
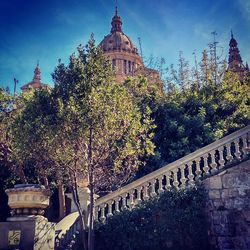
188	119
205	69
10	107
183	72
101	115
33	131
88	127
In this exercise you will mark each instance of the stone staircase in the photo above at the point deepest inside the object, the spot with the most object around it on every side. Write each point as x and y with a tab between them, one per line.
200	164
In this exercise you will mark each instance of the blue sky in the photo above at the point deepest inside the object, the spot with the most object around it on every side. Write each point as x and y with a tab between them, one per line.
51	29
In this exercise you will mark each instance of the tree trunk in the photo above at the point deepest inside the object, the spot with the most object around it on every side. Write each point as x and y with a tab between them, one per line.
91	187
81	216
91	215
61	196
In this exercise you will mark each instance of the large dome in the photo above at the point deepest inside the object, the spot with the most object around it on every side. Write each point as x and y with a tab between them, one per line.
117	40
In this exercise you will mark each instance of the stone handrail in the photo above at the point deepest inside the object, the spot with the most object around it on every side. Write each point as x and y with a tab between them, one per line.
179	173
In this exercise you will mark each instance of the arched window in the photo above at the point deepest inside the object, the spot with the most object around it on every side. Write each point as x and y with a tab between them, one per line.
125	66
133	68
113	64
129	66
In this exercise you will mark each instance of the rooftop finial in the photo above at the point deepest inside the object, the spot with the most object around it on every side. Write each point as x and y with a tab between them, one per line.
37	73
116	8
232	35
37	64
116	21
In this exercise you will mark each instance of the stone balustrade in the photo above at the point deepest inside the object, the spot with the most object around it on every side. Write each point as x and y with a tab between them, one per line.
181	173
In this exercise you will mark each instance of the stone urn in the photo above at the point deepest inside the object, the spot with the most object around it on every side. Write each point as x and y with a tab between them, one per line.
27	201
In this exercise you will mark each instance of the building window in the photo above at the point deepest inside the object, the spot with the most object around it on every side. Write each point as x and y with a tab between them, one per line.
113	64
129	66
133	68
125	66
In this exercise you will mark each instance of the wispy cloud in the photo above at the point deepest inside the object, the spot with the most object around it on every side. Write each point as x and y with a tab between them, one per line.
244	6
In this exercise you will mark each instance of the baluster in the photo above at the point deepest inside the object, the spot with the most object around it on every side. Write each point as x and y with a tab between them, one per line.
213	163
103	218
190	174
221	157
168	180
71	231
117	210
74	228
139	189
145	193
198	171
183	177
176	182
245	148
95	214
78	224
110	209
124	202
161	190
229	156
131	200
237	148
153	193
206	167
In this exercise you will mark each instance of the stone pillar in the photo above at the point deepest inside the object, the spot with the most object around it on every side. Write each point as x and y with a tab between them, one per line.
83	193
27	228
84	197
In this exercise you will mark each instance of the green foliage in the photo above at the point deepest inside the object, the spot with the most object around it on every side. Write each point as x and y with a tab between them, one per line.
100	118
86	122
33	131
192	117
175	220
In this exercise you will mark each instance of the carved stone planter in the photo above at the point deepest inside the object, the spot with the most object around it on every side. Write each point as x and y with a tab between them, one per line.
28	200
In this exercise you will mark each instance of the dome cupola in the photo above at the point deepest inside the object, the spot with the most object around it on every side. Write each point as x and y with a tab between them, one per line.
116	22
116	40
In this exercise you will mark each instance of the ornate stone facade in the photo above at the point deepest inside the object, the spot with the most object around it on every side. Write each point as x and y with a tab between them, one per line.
124	55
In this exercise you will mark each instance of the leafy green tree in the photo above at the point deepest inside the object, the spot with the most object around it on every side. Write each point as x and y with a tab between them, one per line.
102	120
87	127
189	119
10	107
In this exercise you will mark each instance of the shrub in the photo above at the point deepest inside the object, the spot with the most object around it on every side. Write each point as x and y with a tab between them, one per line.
174	220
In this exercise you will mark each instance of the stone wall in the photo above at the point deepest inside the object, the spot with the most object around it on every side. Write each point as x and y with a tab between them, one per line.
229	208
35	234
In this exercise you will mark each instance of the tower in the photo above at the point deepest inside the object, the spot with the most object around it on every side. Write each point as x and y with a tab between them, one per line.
36	82
235	63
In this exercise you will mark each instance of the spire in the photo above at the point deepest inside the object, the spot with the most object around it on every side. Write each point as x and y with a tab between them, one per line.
234	59
116	21
247	68
116	8
37	73
232	35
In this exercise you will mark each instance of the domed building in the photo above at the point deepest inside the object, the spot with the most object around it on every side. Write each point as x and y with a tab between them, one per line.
124	55
36	82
